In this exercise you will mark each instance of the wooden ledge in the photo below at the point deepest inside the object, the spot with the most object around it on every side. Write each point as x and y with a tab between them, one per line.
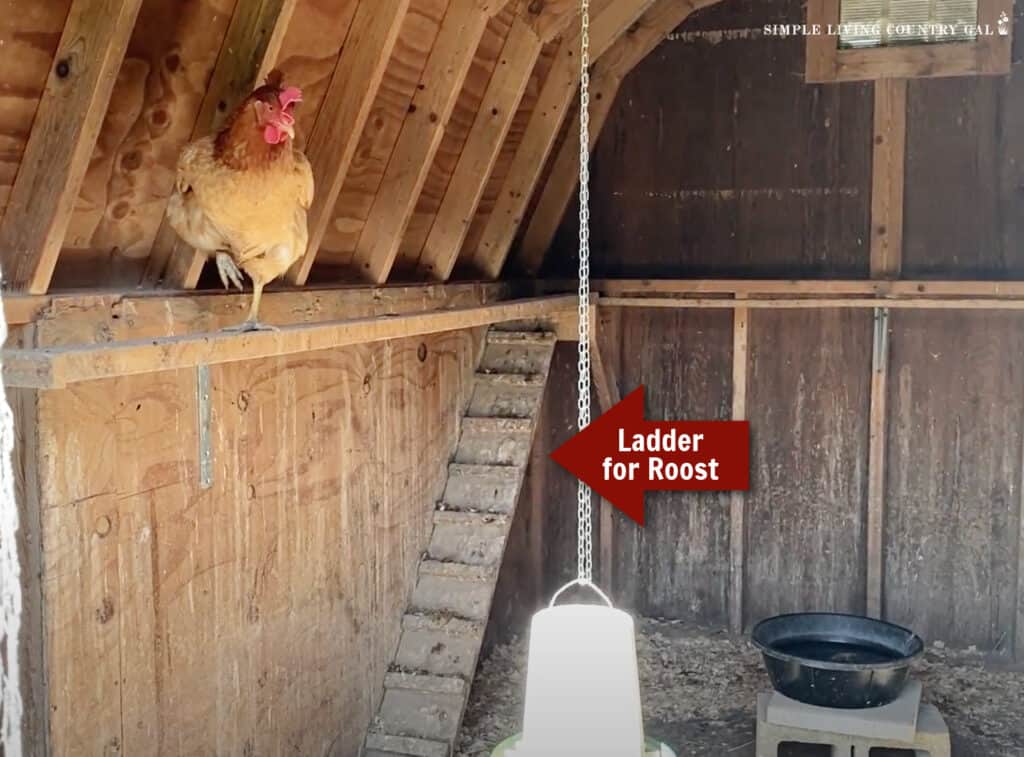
55	368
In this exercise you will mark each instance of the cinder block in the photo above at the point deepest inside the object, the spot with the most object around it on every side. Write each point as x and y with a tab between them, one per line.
896	721
931	738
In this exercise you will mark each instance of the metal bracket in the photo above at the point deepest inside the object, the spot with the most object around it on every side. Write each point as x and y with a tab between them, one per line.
880	351
205	434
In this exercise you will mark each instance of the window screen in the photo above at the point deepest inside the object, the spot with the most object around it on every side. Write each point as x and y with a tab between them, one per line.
876	23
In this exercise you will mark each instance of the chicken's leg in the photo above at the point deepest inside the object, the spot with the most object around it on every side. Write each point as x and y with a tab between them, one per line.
251	323
229	273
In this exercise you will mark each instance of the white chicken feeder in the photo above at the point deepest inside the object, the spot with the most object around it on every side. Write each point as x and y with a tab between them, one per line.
582	686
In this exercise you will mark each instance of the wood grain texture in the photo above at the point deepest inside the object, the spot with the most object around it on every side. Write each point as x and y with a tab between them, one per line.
464	115
30	40
808	408
63	135
951	532
677	566
506	157
540	555
887	174
250	48
391	105
738	500
488	256
963	171
345	110
774	191
35	722
480	152
60	367
422	131
256	617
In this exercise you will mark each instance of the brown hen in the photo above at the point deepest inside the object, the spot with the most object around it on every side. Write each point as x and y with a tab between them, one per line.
242	194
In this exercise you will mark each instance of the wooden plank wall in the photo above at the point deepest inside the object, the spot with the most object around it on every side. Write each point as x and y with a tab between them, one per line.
779	184
257	616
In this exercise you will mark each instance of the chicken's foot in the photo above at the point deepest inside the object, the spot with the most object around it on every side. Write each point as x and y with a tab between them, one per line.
252	323
229	273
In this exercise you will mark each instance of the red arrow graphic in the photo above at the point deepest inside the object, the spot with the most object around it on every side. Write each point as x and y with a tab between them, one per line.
620	455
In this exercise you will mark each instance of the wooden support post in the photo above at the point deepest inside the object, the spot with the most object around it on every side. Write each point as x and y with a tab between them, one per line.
62	139
606	383
483	145
1018	651
250	49
421	135
347	102
886	254
737	504
887	177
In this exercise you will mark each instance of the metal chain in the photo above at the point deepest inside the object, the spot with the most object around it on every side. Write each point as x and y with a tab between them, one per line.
585	526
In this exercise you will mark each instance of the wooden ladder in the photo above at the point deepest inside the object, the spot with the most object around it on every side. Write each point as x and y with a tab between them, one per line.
427	687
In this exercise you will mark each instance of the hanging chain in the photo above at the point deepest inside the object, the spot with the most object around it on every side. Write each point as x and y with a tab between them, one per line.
585	525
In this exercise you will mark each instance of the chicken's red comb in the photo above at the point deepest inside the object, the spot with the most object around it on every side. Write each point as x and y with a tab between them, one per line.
290	95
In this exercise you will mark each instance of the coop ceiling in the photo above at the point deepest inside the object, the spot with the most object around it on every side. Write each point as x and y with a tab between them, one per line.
437	129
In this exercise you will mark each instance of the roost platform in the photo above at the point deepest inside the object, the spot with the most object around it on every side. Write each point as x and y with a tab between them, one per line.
300	541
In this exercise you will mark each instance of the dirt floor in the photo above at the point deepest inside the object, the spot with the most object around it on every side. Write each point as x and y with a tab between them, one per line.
699	691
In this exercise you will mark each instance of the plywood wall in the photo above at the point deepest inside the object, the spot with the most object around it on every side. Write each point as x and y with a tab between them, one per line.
254	617
718	161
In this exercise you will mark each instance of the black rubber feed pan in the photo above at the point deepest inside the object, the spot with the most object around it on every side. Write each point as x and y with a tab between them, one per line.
832	660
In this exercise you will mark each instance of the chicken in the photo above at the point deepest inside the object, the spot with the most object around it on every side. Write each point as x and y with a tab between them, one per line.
241	195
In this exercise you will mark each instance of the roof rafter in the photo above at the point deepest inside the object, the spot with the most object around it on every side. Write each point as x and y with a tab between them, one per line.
335	135
529	33
63	136
420	137
611	21
609	71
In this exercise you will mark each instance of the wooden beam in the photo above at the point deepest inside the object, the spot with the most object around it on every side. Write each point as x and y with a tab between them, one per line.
791	287
876	463
563	180
347	102
890	138
497	110
606	383
248	53
420	137
811	303
51	368
62	139
556	96
483	145
737	501
69	320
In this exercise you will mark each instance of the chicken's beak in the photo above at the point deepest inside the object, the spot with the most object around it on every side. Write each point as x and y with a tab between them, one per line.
286	123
